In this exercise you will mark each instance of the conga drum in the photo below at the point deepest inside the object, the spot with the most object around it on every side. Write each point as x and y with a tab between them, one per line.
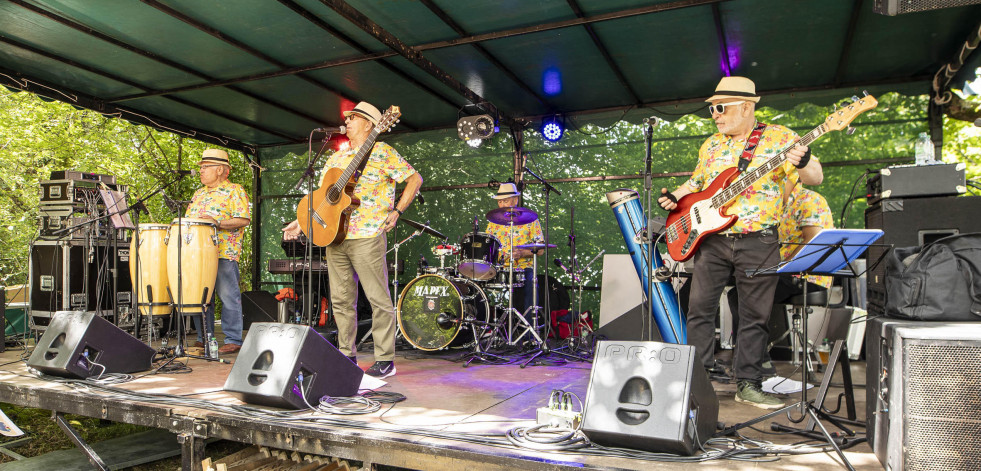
153	293
192	245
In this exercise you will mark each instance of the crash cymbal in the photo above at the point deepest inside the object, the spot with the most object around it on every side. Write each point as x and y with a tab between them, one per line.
535	246
423	227
516	214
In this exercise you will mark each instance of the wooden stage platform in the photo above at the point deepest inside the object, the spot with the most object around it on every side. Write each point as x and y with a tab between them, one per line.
441	396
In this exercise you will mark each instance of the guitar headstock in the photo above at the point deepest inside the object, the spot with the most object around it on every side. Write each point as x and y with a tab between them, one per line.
388	119
843	116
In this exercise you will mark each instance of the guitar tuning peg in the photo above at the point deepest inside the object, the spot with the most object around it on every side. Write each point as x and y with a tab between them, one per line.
854	97
850	130
865	93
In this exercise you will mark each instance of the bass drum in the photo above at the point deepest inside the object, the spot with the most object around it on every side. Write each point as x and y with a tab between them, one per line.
431	308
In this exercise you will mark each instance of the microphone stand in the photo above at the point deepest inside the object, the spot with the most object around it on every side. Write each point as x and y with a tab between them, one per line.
543	349
308	176
649	238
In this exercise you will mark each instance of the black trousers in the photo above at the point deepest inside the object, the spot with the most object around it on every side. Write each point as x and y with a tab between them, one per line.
718	258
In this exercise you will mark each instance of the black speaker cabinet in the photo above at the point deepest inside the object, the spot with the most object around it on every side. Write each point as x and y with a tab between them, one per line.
70	275
75	344
280	364
922	394
258	306
650	396
915	222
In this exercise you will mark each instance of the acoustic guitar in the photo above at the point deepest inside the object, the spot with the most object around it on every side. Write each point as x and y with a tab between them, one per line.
334	201
702	213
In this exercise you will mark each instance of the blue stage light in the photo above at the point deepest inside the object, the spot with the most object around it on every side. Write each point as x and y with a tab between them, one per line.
552	129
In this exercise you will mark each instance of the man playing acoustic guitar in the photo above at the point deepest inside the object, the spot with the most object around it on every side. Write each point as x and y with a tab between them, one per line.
750	243
361	255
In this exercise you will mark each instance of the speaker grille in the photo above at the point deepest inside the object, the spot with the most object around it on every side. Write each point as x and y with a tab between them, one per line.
943	407
898	7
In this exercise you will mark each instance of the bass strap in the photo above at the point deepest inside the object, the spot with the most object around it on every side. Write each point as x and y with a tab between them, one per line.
751	143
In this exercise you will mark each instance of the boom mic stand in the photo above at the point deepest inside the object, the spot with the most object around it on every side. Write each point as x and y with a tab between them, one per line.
308	176
544	349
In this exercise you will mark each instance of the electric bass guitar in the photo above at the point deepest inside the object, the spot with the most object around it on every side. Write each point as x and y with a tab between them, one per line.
703	213
334	201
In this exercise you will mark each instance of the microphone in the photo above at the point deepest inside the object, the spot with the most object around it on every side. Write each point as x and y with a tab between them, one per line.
977	122
558	263
446	320
421	199
332	129
476	226
185	173
662	273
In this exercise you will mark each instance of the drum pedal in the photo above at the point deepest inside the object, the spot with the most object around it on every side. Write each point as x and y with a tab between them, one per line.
559	412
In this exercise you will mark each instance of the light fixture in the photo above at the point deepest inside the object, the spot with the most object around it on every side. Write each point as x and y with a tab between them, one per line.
476	127
552	128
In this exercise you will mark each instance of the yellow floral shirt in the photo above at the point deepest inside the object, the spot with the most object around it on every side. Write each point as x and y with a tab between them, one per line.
523	234
804	208
375	188
761	205
225	201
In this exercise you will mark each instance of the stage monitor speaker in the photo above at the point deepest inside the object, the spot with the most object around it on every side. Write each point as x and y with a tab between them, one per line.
258	306
914	222
622	315
82	344
649	396
922	393
898	7
281	364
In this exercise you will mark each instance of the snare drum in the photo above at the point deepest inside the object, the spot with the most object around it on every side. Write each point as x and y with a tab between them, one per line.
432	310
153	283
198	246
478	254
500	280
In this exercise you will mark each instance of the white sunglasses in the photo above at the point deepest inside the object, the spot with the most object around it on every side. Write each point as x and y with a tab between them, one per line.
721	107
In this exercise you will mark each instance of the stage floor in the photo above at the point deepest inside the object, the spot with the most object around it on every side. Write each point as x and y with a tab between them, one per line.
440	395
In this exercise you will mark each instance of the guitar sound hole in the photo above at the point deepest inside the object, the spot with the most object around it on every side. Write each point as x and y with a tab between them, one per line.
332	195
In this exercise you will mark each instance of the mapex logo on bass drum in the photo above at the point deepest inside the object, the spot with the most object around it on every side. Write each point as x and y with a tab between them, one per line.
667	355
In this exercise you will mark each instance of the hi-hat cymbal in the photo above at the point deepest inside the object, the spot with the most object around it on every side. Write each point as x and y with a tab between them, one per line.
516	214
423	227
536	246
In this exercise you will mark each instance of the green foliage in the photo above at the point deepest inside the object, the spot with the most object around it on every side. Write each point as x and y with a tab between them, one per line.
37	137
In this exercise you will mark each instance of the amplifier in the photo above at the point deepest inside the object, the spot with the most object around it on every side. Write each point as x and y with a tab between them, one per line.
906	181
80	193
922	404
76	175
289	266
52	225
72	275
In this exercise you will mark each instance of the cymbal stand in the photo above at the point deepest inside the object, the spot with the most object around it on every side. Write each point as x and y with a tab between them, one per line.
488	331
395	277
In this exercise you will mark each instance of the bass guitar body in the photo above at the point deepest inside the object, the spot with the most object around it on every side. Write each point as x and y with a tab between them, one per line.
697	217
331	210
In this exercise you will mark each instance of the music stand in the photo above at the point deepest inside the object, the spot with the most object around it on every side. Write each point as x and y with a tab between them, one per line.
831	252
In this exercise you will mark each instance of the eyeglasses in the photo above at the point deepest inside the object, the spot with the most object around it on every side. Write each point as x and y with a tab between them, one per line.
721	107
210	166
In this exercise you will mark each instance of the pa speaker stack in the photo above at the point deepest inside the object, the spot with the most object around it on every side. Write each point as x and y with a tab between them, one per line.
82	344
649	396
290	366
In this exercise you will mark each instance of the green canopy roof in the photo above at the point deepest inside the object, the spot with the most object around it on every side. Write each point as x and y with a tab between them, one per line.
244	73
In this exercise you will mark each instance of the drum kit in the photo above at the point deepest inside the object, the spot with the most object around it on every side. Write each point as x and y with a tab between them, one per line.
435	308
174	267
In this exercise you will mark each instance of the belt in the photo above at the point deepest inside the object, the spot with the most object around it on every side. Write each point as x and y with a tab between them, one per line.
743	235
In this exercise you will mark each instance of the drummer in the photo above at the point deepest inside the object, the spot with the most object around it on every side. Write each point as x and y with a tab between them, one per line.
507	197
226	205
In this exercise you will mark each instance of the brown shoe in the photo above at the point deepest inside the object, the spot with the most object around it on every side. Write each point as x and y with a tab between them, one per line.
199	344
229	348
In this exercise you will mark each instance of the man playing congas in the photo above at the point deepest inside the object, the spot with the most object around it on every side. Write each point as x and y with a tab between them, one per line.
226	205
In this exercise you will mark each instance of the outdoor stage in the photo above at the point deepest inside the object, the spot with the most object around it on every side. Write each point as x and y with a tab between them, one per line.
441	396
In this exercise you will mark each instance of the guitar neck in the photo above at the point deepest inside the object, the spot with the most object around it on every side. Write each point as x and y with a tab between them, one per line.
750	178
363	152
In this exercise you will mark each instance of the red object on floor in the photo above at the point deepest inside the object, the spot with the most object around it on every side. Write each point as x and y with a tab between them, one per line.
564	330
285	293
323	312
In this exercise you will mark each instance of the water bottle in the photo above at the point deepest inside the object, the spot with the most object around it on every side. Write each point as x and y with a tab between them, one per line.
213	347
923	150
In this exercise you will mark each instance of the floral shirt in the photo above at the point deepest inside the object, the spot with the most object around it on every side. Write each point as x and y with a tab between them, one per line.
761	205
225	201
804	208
523	234
375	188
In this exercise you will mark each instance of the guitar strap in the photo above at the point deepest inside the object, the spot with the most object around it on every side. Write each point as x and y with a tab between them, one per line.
364	163
751	142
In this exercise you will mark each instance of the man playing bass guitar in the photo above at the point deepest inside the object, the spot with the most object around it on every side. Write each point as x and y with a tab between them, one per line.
748	244
361	254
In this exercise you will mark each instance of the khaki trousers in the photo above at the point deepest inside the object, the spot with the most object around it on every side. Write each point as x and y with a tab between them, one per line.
348	262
